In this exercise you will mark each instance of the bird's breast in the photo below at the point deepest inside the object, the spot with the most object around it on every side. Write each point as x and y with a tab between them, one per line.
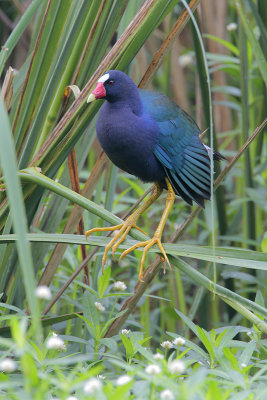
129	143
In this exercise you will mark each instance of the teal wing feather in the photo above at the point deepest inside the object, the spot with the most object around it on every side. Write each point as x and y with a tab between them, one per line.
179	149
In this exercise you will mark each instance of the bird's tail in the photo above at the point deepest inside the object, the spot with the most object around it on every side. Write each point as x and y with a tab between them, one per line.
218	156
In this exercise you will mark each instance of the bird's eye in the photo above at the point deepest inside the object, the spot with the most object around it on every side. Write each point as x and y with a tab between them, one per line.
110	83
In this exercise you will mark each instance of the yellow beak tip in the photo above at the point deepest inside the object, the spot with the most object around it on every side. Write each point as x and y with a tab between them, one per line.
91	98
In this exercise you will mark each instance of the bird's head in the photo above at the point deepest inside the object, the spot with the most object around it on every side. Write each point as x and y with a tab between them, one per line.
113	86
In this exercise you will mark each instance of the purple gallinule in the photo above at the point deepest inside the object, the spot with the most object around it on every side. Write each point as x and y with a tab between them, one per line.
147	135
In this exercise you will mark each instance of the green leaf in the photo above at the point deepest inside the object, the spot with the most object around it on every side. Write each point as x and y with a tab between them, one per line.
260	23
227	295
225	336
16	205
128	346
229	355
20	27
103	282
224	255
206	340
226	44
247	353
257	52
30	371
259	298
89	310
134	185
264	243
191	345
109	322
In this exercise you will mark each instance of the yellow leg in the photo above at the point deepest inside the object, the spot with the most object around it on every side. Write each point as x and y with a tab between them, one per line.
126	226
157	235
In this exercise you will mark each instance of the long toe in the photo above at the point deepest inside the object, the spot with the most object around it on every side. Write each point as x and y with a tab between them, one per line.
105	229
120	240
146	244
164	254
134	247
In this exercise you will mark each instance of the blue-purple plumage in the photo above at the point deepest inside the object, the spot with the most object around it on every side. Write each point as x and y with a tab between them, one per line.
147	135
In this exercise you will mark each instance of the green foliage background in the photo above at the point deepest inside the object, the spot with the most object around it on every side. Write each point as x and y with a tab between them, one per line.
214	295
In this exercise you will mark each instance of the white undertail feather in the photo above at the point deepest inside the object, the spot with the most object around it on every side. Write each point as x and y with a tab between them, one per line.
208	150
209	153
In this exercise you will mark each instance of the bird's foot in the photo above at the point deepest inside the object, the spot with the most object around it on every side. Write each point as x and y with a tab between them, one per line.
123	228
147	244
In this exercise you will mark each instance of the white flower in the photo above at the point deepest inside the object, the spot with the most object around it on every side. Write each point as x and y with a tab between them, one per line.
167	395
153	369
231	27
125	332
158	356
166	345
8	365
176	367
92	386
243	365
119	286
99	306
101	377
43	292
122	380
178	341
72	398
55	343
185	60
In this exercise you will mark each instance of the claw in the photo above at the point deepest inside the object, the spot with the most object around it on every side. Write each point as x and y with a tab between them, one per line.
140	278
162	259
125	227
147	244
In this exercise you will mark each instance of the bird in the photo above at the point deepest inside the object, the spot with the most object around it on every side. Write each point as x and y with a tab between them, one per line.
148	135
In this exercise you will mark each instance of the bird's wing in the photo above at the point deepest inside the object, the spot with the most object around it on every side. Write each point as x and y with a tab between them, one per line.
184	157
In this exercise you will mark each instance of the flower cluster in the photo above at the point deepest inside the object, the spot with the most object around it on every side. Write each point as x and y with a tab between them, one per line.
176	367
43	292
55	343
92	386
167	395
178	341
185	60
166	345
119	286
231	27
8	365
99	306
125	332
158	356
123	380
153	369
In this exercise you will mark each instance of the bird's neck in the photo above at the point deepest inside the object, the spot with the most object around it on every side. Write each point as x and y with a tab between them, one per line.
130	101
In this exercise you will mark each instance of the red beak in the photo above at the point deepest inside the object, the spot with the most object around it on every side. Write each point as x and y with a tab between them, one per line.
99	91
